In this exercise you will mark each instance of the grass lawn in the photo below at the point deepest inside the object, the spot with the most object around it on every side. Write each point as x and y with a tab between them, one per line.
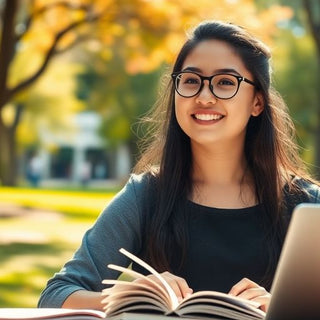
75	203
35	243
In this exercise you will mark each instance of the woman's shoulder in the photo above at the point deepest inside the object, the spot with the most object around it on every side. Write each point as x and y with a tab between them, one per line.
305	189
141	186
143	180
300	190
311	189
135	197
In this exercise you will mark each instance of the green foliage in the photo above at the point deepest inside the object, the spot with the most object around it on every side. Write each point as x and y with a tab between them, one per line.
295	78
49	103
119	97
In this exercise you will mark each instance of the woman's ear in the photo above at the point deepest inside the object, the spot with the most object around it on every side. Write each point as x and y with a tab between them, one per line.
258	104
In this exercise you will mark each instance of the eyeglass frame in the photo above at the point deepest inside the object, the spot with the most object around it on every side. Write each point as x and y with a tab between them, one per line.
174	76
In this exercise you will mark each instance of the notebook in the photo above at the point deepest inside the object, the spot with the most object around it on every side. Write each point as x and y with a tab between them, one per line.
296	286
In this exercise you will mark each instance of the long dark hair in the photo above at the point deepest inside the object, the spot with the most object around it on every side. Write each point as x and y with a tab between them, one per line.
270	150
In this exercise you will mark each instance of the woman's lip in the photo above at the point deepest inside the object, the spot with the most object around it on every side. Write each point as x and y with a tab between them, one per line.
206	111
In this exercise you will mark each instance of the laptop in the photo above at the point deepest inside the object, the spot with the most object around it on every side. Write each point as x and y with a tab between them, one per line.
296	286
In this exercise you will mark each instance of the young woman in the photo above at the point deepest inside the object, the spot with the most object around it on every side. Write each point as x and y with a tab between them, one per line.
212	195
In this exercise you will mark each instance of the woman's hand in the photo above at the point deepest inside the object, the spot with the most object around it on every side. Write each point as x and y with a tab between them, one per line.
178	284
250	290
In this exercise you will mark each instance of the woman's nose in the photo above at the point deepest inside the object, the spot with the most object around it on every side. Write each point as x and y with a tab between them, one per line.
205	95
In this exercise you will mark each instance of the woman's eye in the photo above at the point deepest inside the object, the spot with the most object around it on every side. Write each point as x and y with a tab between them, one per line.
226	82
191	81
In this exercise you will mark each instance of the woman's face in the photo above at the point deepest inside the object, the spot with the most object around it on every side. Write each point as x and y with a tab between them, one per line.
207	119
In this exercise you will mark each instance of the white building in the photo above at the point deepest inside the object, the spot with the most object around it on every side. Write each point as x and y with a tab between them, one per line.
80	154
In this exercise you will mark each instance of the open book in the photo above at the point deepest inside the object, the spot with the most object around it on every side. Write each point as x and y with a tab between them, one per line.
50	313
126	298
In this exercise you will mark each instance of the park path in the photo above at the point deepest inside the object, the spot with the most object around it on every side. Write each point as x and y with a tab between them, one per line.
8	210
23	215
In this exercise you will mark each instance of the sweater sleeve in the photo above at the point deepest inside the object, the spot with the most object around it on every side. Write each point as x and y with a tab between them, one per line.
311	190
119	225
316	194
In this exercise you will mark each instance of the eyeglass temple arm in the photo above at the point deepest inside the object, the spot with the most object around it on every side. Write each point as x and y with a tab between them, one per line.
248	81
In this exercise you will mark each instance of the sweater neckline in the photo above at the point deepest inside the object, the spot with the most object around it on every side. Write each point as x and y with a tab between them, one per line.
206	209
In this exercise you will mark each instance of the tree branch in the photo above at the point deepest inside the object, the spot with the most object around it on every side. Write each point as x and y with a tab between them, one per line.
78	40
314	25
7	45
17	116
50	53
35	14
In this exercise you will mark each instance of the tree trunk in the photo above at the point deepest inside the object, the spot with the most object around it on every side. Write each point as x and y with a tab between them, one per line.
312	9
4	158
8	149
6	54
12	168
8	157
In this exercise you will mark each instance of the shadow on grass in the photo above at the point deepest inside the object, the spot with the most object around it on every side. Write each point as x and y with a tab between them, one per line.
19	248
21	291
26	267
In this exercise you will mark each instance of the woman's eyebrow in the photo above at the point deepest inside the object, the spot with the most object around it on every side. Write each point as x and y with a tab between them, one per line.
227	70
195	69
223	70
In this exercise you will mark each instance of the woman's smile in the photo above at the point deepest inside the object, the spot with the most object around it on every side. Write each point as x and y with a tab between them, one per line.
207	117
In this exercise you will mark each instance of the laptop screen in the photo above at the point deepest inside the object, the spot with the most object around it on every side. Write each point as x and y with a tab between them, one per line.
296	286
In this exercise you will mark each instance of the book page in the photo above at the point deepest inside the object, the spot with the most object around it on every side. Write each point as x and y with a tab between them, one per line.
173	297
125	292
208	311
151	283
211	306
49	313
211	301
222	297
130	303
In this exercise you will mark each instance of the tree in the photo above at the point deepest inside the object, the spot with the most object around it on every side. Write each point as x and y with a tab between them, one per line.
146	33
9	49
312	9
294	62
307	17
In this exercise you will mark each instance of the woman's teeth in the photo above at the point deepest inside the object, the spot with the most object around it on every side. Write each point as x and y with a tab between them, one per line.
208	117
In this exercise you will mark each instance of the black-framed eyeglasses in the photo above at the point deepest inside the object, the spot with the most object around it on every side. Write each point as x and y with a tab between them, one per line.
223	86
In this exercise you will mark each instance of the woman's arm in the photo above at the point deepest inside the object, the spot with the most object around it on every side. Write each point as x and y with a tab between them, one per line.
120	225
84	299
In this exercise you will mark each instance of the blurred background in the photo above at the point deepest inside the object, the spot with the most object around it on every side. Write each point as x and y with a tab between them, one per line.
76	76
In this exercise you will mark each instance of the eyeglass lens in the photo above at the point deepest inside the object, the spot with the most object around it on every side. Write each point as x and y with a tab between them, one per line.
224	86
